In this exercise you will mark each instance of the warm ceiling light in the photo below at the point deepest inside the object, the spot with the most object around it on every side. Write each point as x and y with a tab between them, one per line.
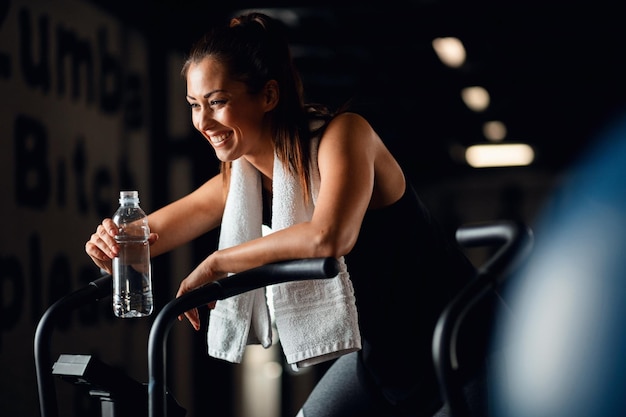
476	98
499	155
450	51
494	130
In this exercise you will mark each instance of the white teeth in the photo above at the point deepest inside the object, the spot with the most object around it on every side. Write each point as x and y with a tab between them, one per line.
220	138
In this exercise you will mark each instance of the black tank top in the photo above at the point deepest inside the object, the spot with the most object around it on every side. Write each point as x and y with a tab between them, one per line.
404	270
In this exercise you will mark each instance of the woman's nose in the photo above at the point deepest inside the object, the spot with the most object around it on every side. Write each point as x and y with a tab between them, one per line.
205	119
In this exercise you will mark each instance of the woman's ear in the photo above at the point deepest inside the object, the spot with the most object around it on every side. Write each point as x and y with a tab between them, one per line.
271	95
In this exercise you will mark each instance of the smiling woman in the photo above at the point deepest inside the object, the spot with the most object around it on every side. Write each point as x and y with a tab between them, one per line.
299	181
223	110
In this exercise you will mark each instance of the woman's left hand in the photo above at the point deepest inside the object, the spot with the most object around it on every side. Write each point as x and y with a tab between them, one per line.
201	276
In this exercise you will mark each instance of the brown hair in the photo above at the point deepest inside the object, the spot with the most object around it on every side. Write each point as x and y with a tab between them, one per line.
254	49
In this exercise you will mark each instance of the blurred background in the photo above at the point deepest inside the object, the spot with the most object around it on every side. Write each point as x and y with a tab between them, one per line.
487	104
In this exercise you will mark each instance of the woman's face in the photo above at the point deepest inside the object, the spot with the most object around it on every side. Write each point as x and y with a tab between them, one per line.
223	111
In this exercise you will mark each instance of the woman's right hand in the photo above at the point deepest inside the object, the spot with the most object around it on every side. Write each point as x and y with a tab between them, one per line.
102	247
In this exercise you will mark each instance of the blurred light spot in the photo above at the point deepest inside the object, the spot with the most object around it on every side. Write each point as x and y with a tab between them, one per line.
475	98
261	382
272	370
499	155
494	130
450	51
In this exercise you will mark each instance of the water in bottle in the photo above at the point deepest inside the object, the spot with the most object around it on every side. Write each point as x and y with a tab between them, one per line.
132	275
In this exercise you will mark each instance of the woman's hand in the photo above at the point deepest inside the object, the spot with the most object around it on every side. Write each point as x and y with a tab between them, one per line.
200	276
102	247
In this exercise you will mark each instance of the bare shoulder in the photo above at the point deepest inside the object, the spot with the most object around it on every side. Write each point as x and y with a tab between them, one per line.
352	143
348	128
349	120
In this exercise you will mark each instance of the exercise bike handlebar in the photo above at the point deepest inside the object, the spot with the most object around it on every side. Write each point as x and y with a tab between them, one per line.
275	273
515	241
95	290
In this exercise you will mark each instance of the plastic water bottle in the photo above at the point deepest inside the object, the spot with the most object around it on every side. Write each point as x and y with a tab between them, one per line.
132	274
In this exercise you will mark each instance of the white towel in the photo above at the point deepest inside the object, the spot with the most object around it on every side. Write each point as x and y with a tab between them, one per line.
316	320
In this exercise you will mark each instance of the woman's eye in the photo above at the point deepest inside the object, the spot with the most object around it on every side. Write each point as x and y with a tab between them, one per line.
217	102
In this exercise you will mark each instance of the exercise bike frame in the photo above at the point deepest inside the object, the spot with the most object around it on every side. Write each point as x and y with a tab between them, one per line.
101	288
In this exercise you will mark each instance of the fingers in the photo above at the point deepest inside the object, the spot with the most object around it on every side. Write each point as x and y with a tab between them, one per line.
193	317
153	237
102	247
105	237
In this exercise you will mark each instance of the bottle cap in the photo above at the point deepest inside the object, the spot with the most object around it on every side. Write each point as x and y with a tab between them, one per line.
129	196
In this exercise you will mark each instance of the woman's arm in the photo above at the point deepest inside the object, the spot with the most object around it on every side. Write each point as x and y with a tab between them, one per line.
347	158
170	226
189	217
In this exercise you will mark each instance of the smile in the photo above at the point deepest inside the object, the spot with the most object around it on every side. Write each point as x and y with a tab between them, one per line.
220	138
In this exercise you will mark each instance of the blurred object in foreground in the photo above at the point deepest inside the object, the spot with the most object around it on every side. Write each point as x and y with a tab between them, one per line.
564	347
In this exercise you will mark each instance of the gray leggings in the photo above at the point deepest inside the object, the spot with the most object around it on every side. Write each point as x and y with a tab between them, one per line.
340	392
344	392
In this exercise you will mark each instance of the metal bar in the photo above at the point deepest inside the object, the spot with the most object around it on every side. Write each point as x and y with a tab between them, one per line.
515	240
300	269
94	291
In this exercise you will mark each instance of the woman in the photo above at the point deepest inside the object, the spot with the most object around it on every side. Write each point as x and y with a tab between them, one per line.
246	99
